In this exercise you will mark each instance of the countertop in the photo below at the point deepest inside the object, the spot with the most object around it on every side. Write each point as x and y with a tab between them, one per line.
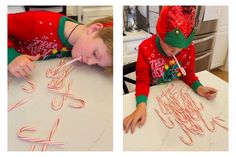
88	128
154	135
130	36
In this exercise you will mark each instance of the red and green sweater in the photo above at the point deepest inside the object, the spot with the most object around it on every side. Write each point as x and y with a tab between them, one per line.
154	66
37	32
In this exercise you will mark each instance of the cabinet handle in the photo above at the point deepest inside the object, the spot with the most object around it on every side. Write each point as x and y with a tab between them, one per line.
82	17
203	39
205	55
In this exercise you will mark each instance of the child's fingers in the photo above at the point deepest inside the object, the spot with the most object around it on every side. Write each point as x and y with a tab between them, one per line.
31	66
21	72
127	124
27	70
34	58
211	96
142	121
124	124
128	127
16	74
134	124
211	93
211	90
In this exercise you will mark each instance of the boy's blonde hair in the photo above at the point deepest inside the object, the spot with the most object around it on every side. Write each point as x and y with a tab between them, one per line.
106	34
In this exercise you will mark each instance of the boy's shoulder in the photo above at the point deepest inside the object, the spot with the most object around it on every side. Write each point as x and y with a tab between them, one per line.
36	15
147	46
190	48
149	41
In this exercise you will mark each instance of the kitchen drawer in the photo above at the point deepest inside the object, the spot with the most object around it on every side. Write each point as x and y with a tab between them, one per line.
87	14
131	42
207	27
204	42
203	60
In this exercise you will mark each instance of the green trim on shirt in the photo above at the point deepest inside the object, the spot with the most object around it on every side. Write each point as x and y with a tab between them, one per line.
195	85
159	47
12	54
141	98
61	29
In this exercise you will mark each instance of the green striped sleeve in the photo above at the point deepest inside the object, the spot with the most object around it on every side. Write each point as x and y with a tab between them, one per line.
141	98
195	85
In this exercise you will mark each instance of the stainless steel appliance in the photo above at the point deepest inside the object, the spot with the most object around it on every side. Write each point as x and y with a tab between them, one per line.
204	40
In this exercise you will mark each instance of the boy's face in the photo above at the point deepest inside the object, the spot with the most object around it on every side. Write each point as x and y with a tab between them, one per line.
92	50
169	50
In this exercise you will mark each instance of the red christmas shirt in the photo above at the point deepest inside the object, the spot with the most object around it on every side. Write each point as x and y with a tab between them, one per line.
36	32
154	66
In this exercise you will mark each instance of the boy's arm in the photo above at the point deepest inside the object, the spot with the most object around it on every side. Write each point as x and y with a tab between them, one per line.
12	53
19	24
138	116
190	78
142	77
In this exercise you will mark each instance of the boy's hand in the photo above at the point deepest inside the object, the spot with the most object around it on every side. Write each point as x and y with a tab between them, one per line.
22	65
207	92
138	117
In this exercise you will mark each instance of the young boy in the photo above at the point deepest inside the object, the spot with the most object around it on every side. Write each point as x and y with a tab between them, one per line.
43	35
159	56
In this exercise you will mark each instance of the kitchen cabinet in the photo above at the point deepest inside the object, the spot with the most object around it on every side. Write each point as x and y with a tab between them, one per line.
131	42
87	14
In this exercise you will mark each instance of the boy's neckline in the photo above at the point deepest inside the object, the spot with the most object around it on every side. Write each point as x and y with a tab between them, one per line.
161	50
61	30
